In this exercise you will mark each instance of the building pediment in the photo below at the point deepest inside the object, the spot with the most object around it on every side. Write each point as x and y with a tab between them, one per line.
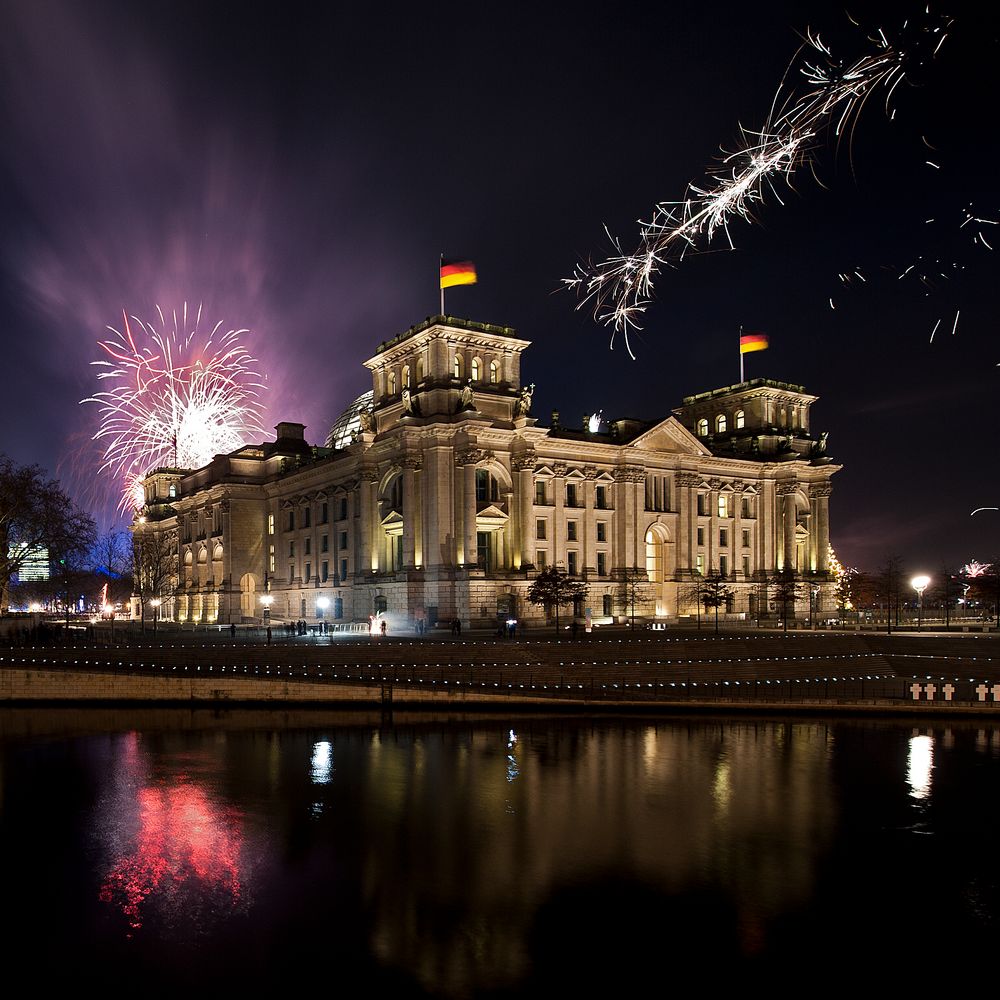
671	437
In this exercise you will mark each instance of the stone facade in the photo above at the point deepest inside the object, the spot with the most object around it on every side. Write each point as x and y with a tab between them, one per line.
448	498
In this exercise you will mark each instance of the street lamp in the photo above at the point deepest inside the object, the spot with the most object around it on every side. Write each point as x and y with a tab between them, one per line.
156	612
267	600
919	584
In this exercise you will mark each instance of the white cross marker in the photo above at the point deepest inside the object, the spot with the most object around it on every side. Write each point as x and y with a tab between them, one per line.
931	690
915	690
949	690
981	691
996	692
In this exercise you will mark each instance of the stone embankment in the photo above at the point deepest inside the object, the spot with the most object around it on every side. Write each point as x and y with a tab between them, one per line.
754	671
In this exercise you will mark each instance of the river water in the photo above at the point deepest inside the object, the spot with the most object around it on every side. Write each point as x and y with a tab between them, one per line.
493	857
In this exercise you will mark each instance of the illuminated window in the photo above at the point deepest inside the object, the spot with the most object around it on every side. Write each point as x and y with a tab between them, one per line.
270	524
173	490
699	564
703	427
494	372
392	383
475	369
270	559
457	366
723	505
720	424
739	420
405	381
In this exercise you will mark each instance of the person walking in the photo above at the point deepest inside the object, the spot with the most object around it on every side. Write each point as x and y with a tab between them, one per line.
383	626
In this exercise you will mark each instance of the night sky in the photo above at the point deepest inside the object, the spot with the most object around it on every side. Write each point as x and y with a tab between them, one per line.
298	169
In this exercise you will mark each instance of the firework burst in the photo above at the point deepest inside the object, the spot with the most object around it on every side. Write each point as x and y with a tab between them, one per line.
177	396
620	288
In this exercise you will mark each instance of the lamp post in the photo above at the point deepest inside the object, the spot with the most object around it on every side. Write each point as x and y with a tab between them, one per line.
156	612
267	600
323	603
919	584
813	594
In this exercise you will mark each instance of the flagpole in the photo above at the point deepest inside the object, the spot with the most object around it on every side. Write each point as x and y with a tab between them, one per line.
741	353
440	265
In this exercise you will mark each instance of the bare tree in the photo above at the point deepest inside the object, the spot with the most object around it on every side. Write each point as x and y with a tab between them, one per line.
691	594
891	585
35	515
113	560
715	593
553	588
634	589
787	590
152	557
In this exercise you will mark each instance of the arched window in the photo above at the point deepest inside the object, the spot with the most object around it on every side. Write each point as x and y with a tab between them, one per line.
494	372
173	490
740	420
392	383
475	369
457	366
420	369
406	377
721	424
703	428
654	556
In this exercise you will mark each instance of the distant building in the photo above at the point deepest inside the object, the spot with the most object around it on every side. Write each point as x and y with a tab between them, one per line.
439	496
35	566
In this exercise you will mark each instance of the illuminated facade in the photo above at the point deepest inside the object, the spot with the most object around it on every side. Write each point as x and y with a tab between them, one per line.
446	497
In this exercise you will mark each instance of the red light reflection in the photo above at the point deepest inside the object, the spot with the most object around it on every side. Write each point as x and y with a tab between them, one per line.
183	835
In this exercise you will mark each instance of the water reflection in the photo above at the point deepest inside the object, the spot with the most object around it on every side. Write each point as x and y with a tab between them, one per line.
322	762
919	765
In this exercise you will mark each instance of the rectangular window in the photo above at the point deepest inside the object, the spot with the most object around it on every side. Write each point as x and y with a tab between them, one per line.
746	538
309	546
343	540
342	512
324	512
270	524
482	485
291	572
540	529
699	564
324	544
541	558
306	517
302	608
602	531
602	498
571	495
723	505
291	549
602	564
571	531
701	536
746	565
608	608
723	538
291	520
540	491
343	570
747	508
270	558
571	563
724	565
308	575
326	571
702	504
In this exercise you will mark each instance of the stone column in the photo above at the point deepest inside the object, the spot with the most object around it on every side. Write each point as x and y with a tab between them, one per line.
822	493
410	464
524	465
713	527
559	516
468	460
687	521
369	522
589	562
736	542
786	491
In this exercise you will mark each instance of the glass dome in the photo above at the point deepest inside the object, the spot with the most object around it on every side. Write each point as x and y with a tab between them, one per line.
349	422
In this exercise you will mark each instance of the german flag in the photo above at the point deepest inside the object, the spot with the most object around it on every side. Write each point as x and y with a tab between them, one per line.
753	342
457	272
